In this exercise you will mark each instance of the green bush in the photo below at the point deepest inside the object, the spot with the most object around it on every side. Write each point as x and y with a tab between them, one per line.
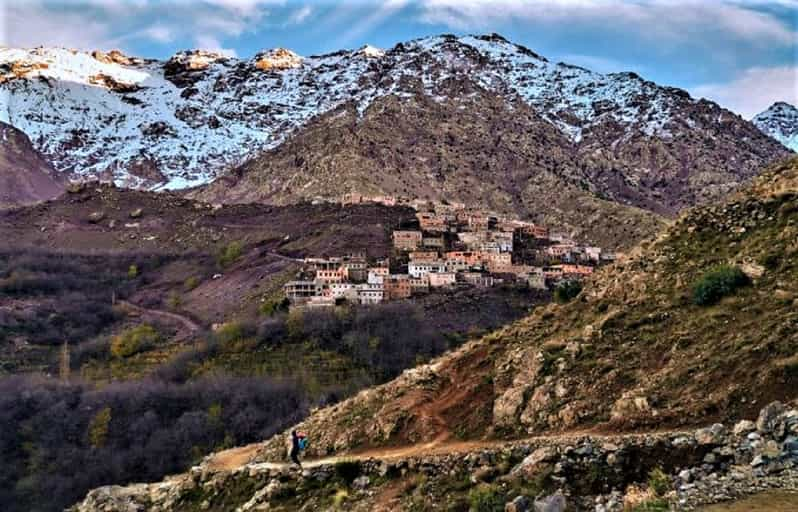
98	428
132	272
659	482
229	254
191	283
134	340
718	283
567	290
274	306
231	332
486	498
655	505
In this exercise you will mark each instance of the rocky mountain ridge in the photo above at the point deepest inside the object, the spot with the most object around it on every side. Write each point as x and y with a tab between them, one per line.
187	120
780	121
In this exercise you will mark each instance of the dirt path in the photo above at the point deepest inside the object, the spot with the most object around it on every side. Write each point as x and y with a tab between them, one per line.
233	458
185	321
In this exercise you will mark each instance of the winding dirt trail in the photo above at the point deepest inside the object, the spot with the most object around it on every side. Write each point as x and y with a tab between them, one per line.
185	321
233	458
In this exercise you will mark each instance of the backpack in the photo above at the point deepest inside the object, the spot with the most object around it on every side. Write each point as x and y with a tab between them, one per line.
303	441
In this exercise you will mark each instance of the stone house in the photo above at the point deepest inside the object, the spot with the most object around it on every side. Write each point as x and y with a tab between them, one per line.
301	291
330	276
422	268
407	240
370	293
397	287
442	279
423	256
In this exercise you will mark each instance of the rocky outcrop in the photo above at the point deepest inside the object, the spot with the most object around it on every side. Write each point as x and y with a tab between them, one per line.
278	59
581	472
25	176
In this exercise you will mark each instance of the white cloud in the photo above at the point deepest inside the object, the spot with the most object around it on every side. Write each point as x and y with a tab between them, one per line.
656	19
754	90
381	12
300	15
30	24
159	33
210	43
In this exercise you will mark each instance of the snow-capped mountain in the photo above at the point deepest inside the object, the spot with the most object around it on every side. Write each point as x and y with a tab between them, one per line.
780	121
184	121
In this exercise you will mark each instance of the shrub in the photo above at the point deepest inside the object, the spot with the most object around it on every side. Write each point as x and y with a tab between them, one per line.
486	498
191	283
274	306
659	482
134	340
717	283
132	272
229	254
232	332
98	428
174	301
655	505
566	291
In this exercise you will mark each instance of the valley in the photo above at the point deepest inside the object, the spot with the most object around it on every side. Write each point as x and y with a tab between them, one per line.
477	279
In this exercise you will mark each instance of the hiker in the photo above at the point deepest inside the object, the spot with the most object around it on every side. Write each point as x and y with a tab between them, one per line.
298	443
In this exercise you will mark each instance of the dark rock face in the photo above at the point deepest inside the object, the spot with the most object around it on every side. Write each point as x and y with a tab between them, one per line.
25	176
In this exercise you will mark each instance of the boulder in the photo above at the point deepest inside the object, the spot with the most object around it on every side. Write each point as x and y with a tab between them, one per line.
743	427
135	214
714	435
361	482
554	503
771	421
519	504
96	217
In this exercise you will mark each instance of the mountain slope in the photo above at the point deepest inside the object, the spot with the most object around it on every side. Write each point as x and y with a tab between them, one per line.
25	177
631	351
780	121
185	121
476	149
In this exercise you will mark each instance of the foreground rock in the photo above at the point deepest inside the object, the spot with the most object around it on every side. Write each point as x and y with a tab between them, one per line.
602	473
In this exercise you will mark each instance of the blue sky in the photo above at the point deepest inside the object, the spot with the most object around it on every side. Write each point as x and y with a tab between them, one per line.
741	53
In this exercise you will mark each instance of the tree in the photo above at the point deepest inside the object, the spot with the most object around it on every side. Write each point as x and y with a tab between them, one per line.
98	428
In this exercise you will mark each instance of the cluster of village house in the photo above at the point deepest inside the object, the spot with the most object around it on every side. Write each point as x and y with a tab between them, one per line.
452	246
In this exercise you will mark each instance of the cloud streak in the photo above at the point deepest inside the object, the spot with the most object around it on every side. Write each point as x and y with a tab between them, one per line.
754	90
653	19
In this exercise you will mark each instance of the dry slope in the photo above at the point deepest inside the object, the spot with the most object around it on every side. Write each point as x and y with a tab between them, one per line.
632	351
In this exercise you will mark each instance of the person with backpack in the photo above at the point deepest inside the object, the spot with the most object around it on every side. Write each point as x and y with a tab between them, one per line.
299	441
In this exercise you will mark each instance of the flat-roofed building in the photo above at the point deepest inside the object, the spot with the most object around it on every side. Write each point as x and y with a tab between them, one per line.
407	240
442	279
397	287
301	291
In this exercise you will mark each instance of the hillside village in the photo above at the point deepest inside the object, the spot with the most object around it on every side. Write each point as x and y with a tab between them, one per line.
448	245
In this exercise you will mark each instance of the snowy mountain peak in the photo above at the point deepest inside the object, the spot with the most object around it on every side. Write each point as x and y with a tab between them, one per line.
371	51
780	121
184	121
277	59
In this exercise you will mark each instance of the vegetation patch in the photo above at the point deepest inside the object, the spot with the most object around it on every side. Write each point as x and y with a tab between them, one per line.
717	283
135	340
